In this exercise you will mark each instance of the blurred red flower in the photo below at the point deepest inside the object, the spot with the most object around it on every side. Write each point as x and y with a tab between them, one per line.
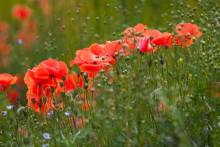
4	31
6	80
4	46
21	12
13	96
28	34
46	7
187	33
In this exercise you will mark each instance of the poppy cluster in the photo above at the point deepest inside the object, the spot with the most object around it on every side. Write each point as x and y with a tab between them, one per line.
99	57
146	40
46	82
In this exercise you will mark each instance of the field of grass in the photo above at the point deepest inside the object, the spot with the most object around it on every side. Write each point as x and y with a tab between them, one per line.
67	90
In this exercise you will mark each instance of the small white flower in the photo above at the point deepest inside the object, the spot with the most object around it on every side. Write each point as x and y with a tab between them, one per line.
67	113
50	114
46	136
19	41
9	107
4	113
45	145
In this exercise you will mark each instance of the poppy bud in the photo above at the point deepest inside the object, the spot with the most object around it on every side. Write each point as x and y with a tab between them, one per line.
33	100
44	99
40	104
63	78
52	89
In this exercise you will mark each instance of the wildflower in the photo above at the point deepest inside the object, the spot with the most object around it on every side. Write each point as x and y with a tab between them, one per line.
186	34
45	145
50	113
4	113
19	41
6	80
95	58
145	46
43	84
46	136
68	113
163	40
21	12
10	107
180	60
131	35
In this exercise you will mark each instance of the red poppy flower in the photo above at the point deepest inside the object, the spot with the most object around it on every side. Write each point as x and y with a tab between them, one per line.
147	41
186	34
139	28
112	47
49	71
131	35
21	12
163	40
6	80
144	44
152	40
43	84
98	56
